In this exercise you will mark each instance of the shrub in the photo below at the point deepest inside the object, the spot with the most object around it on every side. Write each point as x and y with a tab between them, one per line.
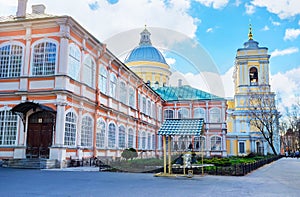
129	153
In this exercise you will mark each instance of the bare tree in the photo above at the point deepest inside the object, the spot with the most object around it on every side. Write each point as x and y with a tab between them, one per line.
292	123
264	117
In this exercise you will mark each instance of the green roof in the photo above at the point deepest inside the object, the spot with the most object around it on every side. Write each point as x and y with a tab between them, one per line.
185	92
182	127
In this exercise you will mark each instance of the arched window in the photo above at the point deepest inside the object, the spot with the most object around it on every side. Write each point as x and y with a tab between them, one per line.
183	113
215	143
144	105
253	76
122	137
131	97
199	143
159	114
153	142
8	128
130	138
123	92
70	129
149	141
153	114
215	115
111	135
44	58
148	108
168	114
143	140
74	61
103	80
100	138
199	113
11	56
86	131
113	85
89	71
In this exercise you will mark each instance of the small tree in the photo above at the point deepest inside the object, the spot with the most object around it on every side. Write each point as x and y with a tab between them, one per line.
129	153
264	116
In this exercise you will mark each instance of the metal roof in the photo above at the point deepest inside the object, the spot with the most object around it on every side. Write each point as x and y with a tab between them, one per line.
184	92
192	127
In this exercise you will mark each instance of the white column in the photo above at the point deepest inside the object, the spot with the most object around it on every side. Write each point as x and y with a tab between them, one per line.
63	52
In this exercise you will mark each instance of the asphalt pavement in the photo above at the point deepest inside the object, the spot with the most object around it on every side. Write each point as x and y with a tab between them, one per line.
280	178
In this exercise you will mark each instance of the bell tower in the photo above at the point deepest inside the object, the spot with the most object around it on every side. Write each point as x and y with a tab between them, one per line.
251	72
251	80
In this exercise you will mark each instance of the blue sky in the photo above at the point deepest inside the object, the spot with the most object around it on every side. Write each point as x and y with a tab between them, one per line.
219	26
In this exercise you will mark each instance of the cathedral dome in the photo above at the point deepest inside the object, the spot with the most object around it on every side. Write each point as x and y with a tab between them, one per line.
145	53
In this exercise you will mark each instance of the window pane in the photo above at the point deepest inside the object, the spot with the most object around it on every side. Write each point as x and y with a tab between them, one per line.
121	137
111	135
100	138
86	131
44	59
8	128
70	129
10	61
74	62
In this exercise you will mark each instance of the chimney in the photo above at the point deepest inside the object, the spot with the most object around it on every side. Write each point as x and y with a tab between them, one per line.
21	12
179	82
38	9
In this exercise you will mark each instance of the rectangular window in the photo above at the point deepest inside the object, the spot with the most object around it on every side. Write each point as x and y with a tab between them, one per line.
242	147
8	128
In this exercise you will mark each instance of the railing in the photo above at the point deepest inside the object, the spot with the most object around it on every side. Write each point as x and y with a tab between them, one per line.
238	169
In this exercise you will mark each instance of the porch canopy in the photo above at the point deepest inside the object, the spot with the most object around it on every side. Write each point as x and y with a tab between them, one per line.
22	109
191	127
181	127
26	106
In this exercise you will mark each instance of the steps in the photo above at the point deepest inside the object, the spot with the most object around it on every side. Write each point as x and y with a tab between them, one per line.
30	163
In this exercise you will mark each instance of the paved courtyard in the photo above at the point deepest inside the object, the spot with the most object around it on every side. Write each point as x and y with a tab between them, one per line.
280	178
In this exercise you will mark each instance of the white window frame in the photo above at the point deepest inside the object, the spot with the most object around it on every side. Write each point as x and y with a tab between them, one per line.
74	61
11	60
89	71
70	128
100	133
41	67
87	131
8	127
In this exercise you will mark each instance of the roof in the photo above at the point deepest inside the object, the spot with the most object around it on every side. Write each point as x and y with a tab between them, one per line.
184	92
26	106
145	53
182	127
13	18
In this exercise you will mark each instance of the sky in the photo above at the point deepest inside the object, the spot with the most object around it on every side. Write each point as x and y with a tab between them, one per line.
219	27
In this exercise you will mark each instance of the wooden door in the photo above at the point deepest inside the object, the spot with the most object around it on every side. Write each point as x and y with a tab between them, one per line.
40	134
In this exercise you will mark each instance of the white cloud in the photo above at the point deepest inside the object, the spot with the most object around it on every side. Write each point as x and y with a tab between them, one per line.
206	80
138	13
275	23
209	30
170	61
287	93
216	4
287	51
237	3
291	34
299	22
250	9
283	8
266	28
